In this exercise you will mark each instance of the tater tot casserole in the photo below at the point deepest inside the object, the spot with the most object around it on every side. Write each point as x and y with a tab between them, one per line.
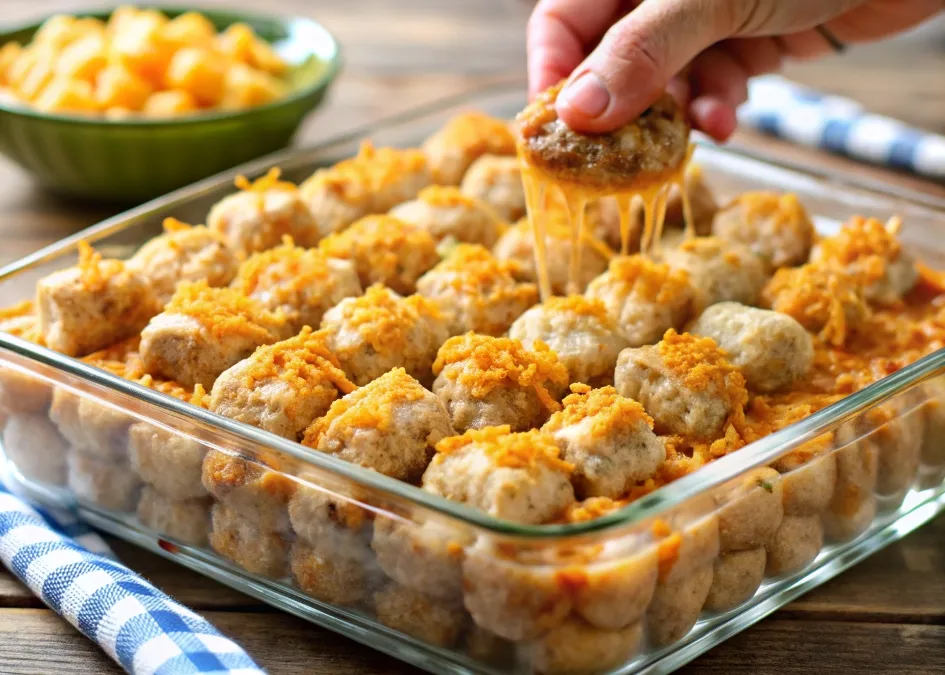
389	312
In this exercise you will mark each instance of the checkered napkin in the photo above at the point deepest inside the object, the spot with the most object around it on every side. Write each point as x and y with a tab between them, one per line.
783	108
72	569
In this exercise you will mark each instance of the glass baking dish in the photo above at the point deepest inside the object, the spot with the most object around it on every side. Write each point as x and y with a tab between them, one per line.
446	587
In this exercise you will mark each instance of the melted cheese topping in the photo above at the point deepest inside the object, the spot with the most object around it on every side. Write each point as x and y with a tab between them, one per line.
303	362
522	450
657	282
701	365
384	320
447	197
581	306
224	311
285	270
370	407
271	181
96	272
609	412
490	362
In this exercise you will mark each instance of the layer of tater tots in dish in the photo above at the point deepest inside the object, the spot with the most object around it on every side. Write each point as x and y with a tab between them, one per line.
387	312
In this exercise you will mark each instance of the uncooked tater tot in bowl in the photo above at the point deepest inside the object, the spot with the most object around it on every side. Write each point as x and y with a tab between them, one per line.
488	382
477	292
580	331
447	213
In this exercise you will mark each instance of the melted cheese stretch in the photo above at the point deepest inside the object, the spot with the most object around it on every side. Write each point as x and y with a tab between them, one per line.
654	198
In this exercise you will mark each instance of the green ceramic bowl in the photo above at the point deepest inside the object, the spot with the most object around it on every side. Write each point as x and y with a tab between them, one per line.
131	161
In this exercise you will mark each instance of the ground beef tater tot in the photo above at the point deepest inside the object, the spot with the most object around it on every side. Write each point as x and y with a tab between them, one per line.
676	606
255	549
487	382
488	647
644	152
385	250
329	576
608	438
517	245
513	476
807	483
35	446
750	509
775	227
330	518
577	648
374	181
303	283
870	250
92	305
281	388
187	520
410	611
463	140
111	485
184	253
579	330
497	181
254	490
795	544
718	270
447	213
615	594
426	556
771	349
685	383
64	413
701	200
170	462
390	425
933	442
735	578
380	330
261	214
476	291
22	392
853	505
826	301
645	298
203	331
512	600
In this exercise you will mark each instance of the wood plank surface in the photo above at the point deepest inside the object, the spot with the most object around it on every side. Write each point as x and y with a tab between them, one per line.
887	615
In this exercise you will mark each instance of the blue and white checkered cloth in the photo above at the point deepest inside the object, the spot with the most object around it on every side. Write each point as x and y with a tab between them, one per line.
785	109
74	572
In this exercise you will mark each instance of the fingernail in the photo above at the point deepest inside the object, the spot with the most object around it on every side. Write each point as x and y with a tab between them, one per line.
587	94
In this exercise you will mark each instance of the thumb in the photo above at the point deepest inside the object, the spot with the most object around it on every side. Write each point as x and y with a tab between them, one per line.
639	54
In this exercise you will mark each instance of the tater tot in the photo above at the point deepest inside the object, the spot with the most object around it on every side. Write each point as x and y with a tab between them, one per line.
718	270
676	606
614	594
577	648
385	250
255	549
35	446
497	181
771	349
329	518
897	434
19	391
685	383
447	213
807	483
186	520
463	140
735	578
184	253
203	331
390	425
750	509
645	298
419	616
170	462
261	214
608	438
487	382
108	484
199	71
853	504
794	545
329	576
169	103
256	491
933	442
90	306
283	387
775	227
512	476
579	330
476	291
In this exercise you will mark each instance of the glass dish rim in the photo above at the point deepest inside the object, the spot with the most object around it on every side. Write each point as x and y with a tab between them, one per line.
332	61
759	453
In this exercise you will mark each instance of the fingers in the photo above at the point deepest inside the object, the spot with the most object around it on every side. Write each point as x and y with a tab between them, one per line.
558	33
714	116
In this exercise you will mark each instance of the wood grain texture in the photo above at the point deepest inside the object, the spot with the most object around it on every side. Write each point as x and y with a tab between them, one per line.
887	615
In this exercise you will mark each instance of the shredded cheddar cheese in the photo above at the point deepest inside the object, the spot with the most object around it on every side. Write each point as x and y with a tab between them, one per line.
370	171
384	320
95	272
172	225
490	362
522	450
369	407
657	282
581	306
608	411
265	183
224	311
447	197
783	209
302	362
285	271
474	133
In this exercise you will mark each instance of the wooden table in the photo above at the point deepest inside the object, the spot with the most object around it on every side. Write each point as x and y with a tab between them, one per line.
887	615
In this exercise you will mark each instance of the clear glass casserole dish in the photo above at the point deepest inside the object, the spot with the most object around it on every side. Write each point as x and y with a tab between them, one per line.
447	587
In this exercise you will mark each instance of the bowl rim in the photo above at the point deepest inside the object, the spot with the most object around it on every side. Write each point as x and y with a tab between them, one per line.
327	39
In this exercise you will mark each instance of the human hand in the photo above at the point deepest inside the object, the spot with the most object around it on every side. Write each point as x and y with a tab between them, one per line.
620	54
